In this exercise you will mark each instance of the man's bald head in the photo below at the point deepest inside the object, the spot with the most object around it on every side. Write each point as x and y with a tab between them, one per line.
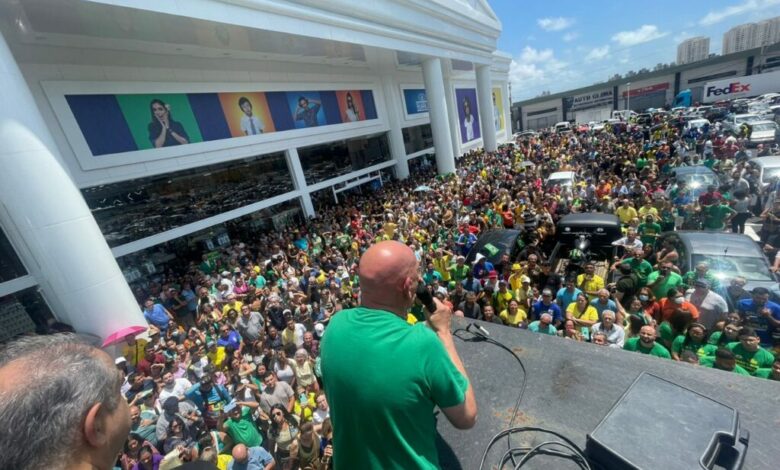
240	453
388	276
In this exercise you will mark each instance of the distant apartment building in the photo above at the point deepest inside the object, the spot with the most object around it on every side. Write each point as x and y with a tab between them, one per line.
751	35
693	50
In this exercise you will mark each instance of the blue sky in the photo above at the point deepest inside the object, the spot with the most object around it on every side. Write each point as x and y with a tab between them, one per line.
562	45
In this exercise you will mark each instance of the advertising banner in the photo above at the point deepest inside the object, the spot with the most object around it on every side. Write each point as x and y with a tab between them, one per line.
468	115
498	109
589	100
415	101
122	123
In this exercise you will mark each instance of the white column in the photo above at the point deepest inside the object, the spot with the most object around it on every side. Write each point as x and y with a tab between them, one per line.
69	256
437	110
299	181
485	100
507	112
392	95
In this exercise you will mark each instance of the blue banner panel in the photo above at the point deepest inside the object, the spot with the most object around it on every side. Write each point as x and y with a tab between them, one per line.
280	111
102	123
416	101
331	107
208	112
368	104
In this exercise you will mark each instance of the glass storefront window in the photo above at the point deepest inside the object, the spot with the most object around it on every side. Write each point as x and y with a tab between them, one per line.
23	312
138	208
325	161
417	138
10	265
182	255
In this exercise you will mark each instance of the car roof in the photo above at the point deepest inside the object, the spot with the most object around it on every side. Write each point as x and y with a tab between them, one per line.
768	161
589	219
559	175
763	121
693	170
720	243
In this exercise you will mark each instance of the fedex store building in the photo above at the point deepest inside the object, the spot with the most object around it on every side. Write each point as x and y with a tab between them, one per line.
133	131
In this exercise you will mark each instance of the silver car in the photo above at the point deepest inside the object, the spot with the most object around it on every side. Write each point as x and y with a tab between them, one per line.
762	132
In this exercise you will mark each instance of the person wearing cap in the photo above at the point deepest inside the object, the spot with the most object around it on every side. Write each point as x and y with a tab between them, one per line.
748	352
459	271
240	425
515	274
482	267
525	293
712	307
547	305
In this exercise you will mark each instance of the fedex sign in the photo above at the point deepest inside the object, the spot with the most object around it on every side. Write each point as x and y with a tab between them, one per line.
740	87
735	87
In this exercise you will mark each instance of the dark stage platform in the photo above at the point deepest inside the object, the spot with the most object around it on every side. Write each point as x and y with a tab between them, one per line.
571	387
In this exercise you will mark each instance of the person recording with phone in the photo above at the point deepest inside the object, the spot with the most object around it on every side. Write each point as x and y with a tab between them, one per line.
384	376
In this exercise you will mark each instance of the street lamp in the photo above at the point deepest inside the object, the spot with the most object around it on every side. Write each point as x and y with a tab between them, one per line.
628	97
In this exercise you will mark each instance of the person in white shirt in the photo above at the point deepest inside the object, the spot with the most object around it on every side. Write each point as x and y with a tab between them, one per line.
468	120
173	387
321	413
250	124
615	335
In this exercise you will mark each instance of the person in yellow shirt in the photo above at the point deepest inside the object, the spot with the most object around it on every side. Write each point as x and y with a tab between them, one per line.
582	312
589	282
232	304
625	212
649	209
502	296
524	294
133	349
441	263
515	278
216	354
514	315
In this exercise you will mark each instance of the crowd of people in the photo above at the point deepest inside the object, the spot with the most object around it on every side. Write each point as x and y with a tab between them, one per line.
231	370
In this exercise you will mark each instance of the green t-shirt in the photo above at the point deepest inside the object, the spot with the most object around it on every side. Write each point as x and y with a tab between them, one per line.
715	215
633	344
384	377
751	361
666	333
672	280
243	430
765	373
647	232
709	361
641	268
678	346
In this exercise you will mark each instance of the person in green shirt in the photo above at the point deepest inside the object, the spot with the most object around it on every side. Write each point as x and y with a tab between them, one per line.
749	354
770	374
639	266
717	215
664	280
648	231
645	343
723	360
702	271
384	377
459	270
240	426
693	340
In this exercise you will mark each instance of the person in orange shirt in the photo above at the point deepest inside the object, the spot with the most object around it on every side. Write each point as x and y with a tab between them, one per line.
603	189
674	300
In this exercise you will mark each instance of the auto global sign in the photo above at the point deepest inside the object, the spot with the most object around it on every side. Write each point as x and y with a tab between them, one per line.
589	100
731	88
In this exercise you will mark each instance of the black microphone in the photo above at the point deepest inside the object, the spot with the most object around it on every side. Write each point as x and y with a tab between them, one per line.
424	296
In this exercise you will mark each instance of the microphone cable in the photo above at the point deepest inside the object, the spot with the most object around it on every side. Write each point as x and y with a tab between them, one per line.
477	333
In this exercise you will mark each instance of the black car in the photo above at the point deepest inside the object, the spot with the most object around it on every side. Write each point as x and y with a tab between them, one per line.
494	243
585	237
716	114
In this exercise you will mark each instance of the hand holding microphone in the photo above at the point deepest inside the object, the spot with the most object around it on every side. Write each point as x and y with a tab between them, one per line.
438	315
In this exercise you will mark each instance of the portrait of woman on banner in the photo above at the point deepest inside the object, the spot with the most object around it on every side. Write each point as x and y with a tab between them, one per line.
163	130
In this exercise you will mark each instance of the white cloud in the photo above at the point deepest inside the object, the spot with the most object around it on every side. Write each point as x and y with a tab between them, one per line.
535	70
597	53
747	6
645	33
571	36
678	38
555	24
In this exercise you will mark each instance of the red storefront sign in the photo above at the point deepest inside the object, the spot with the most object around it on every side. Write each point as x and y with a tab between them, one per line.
647	89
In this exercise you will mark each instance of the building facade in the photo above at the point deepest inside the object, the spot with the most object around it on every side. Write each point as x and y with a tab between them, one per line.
641	91
133	131
693	50
751	35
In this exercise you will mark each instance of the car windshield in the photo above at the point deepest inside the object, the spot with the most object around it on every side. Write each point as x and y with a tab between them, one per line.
770	174
766	126
729	267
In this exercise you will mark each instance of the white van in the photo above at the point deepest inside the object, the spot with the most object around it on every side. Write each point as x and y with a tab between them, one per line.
563	126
